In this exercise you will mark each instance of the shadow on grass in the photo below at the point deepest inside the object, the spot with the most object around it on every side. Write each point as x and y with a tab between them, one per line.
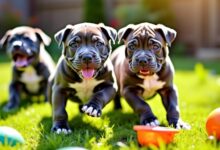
24	104
117	127
82	134
122	125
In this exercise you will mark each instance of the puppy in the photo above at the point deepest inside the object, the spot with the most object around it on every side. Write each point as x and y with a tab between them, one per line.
31	64
84	72
143	68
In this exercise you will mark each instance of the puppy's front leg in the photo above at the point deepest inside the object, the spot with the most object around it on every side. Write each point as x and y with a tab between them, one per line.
15	89
60	117
135	100
99	100
170	101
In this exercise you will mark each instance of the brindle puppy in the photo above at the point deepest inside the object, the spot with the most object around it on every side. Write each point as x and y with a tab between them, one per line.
31	66
143	68
84	73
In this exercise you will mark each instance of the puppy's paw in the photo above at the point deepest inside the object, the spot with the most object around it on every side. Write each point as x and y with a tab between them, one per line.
91	110
153	122
9	107
180	125
61	128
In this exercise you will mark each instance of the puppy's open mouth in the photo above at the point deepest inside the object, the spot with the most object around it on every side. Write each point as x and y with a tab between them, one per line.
22	60
145	72
88	73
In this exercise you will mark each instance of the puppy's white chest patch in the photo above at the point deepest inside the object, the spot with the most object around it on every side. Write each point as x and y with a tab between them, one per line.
85	89
150	85
31	80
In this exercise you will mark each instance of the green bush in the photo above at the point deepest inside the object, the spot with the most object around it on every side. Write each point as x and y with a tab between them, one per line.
154	11
94	11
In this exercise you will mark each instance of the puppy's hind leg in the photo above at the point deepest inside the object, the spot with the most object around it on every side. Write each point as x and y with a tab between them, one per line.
117	102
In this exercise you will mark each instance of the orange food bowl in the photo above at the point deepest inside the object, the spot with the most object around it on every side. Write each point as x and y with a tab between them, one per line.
154	135
213	123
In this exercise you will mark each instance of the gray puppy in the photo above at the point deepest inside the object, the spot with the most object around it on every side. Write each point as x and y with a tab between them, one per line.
32	65
84	72
143	68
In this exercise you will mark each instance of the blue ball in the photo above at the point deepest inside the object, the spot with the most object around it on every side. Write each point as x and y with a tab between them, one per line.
10	136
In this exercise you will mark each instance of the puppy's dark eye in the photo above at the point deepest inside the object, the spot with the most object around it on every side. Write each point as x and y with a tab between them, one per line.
99	44
156	47
131	46
74	45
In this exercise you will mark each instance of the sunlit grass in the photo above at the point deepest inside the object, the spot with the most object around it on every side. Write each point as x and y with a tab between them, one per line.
197	98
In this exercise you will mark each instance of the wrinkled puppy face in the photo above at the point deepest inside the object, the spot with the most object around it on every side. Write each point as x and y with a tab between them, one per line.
86	47
23	45
146	46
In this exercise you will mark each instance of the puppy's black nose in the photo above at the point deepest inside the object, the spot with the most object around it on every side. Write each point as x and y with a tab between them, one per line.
87	58
17	44
143	60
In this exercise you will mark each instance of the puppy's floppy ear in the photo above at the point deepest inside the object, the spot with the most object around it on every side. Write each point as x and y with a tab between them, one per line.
168	33
42	37
109	32
124	32
4	39
61	35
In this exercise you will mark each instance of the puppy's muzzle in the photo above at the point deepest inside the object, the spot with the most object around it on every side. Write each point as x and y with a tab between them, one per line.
144	60
88	65
144	63
20	47
21	56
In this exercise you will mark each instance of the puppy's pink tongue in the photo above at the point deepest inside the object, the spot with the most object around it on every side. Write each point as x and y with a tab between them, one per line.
88	73
21	62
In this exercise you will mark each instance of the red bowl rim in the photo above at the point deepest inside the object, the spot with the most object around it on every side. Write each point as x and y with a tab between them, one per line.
155	129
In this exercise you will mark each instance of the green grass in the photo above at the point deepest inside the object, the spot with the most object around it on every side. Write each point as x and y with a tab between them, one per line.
199	94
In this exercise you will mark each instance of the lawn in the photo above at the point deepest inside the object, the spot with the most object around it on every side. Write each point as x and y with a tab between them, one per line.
199	94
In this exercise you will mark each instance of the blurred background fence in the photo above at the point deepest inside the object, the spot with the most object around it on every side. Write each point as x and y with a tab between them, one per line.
196	21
